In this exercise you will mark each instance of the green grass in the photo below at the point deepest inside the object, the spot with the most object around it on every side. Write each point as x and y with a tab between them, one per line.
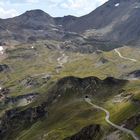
71	114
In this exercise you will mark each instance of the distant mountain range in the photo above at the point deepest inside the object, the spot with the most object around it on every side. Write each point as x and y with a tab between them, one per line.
115	21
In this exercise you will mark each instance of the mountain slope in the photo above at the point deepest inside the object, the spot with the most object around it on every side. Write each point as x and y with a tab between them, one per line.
59	64
32	25
63	95
115	21
62	113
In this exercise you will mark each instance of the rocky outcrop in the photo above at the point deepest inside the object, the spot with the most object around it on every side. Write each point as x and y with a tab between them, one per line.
113	81
16	119
90	132
29	98
4	68
134	74
29	82
5	91
135	101
35	80
132	122
103	60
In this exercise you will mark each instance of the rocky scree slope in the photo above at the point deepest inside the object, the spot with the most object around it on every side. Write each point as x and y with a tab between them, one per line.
115	21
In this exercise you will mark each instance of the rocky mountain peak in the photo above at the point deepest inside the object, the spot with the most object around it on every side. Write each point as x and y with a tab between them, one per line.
107	22
36	12
124	1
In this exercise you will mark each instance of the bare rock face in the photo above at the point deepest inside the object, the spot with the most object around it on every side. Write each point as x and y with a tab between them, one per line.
5	91
134	74
132	122
135	101
31	25
15	119
103	60
90	132
28	97
113	21
4	68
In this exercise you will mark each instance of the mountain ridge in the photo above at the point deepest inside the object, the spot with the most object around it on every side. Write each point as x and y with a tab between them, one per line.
112	21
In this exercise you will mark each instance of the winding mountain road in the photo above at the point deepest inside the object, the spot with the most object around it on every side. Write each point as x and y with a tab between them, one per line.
126	58
130	132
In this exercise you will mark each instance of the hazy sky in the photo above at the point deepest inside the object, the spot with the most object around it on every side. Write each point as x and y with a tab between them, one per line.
10	8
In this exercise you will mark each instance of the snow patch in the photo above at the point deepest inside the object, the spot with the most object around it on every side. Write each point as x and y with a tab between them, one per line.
52	25
137	7
55	29
32	47
117	4
1	49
